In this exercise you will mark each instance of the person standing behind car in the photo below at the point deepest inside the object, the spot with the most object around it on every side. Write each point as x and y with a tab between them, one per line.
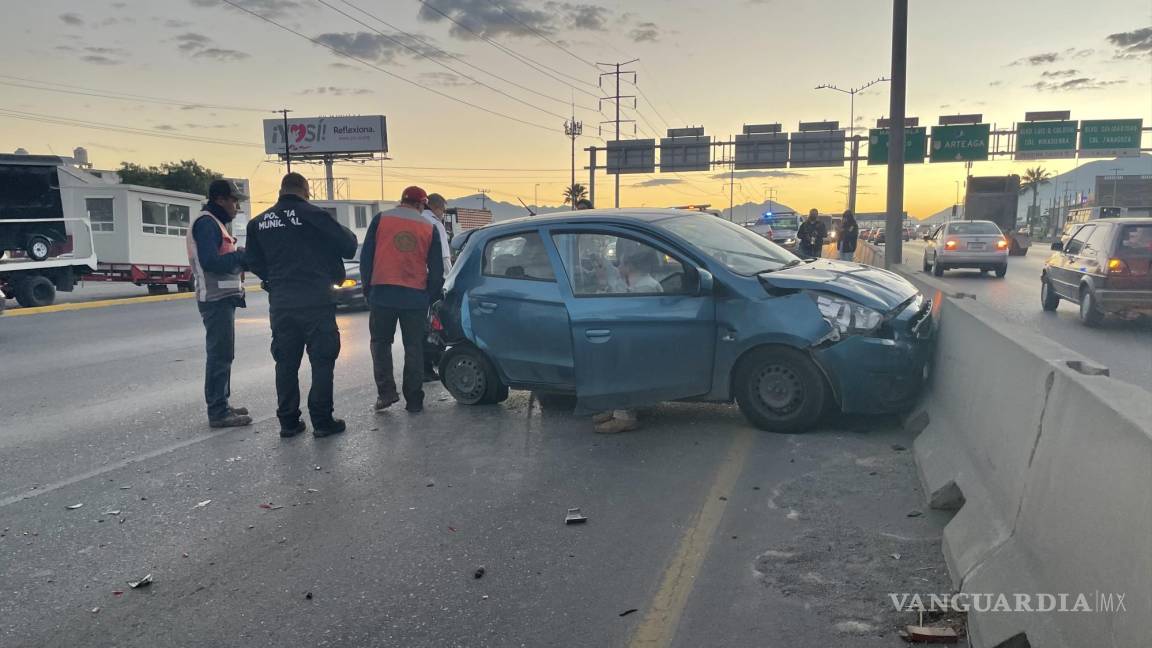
216	266
434	213
812	234
298	248
848	236
402	268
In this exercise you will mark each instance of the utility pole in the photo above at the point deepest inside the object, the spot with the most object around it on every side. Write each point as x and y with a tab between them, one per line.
854	164
616	100
483	198
287	151
893	223
573	129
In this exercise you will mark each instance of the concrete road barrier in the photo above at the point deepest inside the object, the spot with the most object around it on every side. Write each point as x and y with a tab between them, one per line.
1050	465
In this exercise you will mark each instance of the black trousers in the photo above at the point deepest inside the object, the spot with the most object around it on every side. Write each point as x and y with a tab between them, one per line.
413	330
293	331
220	342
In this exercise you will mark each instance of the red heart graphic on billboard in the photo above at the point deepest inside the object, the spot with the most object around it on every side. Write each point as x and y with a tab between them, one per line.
299	130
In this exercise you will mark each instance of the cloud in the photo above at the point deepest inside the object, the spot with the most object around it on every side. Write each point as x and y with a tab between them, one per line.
1037	59
488	19
1072	52
659	182
71	19
98	59
114	51
1060	73
1074	85
767	173
200	46
379	48
446	79
588	17
1136	44
172	23
335	91
267	8
190	42
645	32
202	126
165	127
341	66
221	54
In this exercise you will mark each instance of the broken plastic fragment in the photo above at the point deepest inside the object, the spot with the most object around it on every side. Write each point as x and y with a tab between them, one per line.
479	573
143	582
574	517
95	610
202	504
74	507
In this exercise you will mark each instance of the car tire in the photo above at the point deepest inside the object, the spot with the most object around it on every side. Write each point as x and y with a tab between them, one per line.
780	389
157	289
35	292
1001	271
550	402
38	247
937	268
470	377
927	266
1089	314
1049	300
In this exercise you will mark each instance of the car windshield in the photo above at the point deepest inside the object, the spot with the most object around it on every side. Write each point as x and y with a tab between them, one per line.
974	227
738	249
783	222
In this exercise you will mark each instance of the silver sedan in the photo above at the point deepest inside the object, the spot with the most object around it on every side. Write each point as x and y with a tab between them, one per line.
966	244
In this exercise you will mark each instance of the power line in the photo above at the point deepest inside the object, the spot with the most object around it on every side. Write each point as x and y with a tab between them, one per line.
426	43
387	72
66	121
107	94
440	63
542	36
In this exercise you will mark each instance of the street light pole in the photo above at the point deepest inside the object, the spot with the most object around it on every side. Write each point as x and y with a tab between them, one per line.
893	246
854	165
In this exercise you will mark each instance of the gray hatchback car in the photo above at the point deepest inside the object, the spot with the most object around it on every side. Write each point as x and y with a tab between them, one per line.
1105	268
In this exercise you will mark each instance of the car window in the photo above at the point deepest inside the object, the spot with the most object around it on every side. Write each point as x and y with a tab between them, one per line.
1135	242
1077	243
519	256
739	250
1098	241
607	264
973	228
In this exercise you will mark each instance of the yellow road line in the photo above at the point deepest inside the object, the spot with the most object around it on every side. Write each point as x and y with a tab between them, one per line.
658	628
103	303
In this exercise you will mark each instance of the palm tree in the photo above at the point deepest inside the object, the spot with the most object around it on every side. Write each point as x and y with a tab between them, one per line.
575	193
1032	180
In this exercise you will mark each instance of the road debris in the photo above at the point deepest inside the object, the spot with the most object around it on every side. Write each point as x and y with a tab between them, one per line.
201	504
628	611
316	468
113	512
117	593
452	529
313	490
125	487
895	556
575	516
308	596
73	507
234	459
95	610
143	582
923	634
479	573
915	513
898	448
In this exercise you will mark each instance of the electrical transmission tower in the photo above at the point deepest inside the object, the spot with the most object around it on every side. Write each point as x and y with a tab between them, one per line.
615	99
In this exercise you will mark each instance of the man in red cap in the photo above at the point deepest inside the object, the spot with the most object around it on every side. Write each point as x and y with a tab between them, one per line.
402	268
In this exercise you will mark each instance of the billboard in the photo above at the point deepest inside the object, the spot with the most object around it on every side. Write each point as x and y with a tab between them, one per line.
1045	140
688	153
962	143
915	145
631	156
1110	137
818	148
327	135
762	151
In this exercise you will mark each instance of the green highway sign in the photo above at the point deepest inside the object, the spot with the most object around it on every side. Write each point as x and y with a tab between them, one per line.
960	143
1110	137
915	145
1045	140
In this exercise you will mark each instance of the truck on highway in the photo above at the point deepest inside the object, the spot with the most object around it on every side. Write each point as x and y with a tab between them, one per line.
994	198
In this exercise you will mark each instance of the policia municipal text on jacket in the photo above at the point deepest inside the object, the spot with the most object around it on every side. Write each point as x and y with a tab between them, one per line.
298	249
216	269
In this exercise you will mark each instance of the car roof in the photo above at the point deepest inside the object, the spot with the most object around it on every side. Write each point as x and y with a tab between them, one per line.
604	216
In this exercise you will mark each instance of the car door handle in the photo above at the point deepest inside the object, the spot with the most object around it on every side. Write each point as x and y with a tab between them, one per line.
488	306
598	335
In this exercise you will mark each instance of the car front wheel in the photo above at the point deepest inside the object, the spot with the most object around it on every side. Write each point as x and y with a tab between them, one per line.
1049	300
471	378
780	389
937	267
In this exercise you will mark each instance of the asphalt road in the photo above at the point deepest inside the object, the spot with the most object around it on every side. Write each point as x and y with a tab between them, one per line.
714	533
1125	347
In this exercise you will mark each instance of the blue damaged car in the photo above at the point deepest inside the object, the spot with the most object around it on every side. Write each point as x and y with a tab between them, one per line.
610	309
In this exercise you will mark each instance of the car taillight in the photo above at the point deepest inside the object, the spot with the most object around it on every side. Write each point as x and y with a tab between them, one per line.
1117	267
951	244
436	325
1001	244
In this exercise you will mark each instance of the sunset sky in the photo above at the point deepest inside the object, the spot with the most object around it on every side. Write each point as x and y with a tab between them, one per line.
211	73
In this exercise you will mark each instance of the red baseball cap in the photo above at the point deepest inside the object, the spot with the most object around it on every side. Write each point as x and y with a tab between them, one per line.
414	194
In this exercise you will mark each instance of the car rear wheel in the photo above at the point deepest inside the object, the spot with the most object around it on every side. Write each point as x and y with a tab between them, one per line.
1090	315
1001	271
780	389
937	268
1049	300
471	378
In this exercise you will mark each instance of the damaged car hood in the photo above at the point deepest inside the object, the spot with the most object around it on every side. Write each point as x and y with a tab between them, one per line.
865	285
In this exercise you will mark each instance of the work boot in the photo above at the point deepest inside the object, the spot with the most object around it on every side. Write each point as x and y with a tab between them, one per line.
414	407
383	403
230	420
617	425
239	411
335	426
287	432
602	417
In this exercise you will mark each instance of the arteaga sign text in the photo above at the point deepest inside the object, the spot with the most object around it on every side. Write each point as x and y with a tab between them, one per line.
320	135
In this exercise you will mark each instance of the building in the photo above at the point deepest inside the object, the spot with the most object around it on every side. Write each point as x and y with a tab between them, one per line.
353	214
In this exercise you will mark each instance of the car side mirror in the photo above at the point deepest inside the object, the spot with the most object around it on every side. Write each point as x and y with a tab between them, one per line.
1057	246
706	283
